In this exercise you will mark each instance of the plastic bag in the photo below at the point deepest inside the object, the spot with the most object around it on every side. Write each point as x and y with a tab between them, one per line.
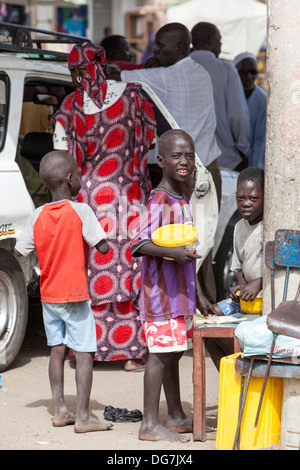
256	338
121	415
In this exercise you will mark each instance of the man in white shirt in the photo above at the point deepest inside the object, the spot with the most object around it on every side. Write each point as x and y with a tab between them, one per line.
183	86
233	123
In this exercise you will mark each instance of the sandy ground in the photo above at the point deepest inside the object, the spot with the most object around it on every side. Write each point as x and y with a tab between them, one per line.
26	405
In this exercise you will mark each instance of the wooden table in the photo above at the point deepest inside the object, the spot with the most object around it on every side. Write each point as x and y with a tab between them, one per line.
199	379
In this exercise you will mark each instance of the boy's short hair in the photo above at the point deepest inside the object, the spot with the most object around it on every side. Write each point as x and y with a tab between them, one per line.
165	137
252	174
55	166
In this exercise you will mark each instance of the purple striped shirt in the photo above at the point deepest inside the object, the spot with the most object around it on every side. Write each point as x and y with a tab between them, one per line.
168	289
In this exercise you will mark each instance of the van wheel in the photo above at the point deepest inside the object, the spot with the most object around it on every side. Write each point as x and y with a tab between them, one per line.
224	278
13	308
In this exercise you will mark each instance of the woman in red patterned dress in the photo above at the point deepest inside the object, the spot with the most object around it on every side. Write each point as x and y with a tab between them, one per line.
108	127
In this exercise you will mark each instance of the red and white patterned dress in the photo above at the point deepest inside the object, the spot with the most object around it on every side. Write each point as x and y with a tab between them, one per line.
111	149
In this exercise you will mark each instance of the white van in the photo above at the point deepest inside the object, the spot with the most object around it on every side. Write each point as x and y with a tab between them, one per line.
32	86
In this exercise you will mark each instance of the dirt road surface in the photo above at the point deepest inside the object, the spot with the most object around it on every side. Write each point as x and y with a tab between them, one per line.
26	407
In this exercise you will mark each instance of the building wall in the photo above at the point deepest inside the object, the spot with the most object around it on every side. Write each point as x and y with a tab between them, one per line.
100	16
43	17
111	13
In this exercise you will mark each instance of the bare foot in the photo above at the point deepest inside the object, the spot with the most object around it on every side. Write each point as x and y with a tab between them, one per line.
160	433
180	425
135	365
90	425
63	419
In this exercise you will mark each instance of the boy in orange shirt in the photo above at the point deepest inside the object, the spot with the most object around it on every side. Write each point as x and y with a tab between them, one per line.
61	232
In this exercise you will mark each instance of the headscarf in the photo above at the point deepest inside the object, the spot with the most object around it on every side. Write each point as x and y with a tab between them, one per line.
242	56
90	57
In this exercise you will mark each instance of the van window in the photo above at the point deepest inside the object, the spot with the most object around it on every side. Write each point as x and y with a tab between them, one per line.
4	83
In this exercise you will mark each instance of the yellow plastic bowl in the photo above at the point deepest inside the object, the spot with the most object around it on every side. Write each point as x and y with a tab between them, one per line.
175	235
251	306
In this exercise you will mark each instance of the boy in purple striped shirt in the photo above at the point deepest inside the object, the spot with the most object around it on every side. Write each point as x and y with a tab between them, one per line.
168	290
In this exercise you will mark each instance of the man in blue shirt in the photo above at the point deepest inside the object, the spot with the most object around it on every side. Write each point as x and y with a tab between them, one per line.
233	124
256	97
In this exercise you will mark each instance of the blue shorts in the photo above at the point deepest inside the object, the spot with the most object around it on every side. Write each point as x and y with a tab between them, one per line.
71	324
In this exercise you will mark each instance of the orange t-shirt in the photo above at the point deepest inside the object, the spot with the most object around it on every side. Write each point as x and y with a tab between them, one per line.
62	232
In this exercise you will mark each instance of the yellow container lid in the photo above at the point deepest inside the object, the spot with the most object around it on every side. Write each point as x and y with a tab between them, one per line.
174	235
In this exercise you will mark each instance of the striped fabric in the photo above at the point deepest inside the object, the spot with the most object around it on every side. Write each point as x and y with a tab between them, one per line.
168	289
